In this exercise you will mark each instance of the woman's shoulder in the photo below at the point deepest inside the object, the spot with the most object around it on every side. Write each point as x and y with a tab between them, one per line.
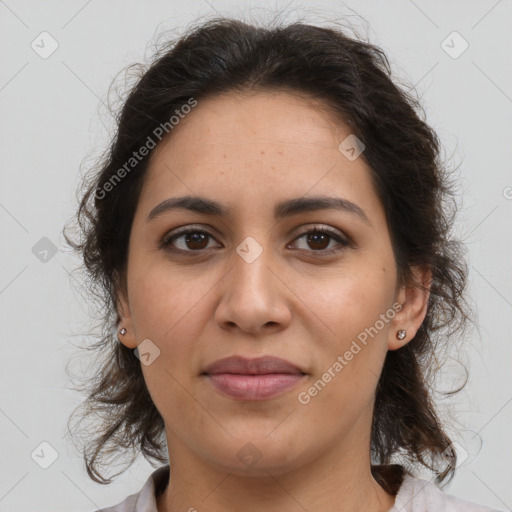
145	499
419	495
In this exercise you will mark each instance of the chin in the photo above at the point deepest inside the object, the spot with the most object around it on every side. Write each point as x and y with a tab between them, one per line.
257	455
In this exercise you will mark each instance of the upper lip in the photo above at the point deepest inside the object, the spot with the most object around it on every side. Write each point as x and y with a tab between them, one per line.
254	366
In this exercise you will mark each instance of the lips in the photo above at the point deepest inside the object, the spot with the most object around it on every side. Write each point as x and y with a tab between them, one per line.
253	379
256	366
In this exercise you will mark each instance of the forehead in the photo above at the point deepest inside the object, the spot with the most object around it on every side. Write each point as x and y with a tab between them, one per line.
269	144
273	120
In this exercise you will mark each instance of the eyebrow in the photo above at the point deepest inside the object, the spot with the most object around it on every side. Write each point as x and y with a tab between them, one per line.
284	209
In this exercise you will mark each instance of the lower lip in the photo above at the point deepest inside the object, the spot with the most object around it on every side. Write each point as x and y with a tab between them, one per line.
254	387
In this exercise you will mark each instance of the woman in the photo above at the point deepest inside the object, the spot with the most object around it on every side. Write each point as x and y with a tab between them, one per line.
271	235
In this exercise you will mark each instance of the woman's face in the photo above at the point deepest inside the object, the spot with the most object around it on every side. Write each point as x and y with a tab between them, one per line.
251	283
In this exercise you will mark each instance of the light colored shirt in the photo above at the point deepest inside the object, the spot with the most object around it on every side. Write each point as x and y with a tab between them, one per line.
414	495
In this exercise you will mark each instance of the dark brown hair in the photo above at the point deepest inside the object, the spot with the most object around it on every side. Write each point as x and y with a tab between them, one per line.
353	80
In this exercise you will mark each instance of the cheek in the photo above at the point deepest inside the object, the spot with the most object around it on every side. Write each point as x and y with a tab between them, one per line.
163	298
167	308
171	308
352	356
350	300
357	308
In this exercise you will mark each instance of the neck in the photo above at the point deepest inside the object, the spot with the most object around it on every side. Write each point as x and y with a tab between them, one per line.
334	483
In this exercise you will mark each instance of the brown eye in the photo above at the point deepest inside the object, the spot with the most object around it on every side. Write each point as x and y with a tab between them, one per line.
188	241
196	241
319	239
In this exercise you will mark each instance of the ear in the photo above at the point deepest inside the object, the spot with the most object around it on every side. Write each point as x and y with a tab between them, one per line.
413	298
125	321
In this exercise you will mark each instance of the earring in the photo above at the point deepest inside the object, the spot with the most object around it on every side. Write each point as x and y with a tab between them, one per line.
123	331
401	334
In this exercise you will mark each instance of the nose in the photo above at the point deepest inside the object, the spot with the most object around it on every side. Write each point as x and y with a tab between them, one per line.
253	298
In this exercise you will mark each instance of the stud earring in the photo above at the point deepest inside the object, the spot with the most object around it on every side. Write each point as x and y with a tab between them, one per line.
400	334
123	331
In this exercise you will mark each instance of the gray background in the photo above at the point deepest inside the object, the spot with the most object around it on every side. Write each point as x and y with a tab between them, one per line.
53	121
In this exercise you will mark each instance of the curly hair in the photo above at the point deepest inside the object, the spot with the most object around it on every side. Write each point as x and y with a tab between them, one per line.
353	79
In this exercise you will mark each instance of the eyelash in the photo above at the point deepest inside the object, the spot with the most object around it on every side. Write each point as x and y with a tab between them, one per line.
343	242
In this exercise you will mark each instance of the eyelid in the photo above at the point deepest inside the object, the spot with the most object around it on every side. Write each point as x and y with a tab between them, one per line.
165	242
322	228
180	230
